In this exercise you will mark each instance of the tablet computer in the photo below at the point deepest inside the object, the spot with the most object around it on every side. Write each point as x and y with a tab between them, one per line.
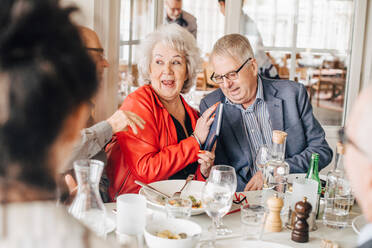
214	131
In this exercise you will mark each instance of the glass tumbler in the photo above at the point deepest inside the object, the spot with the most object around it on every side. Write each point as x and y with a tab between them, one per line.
252	221
177	207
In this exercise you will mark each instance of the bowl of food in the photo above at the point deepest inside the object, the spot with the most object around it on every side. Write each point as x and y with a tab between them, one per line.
169	233
192	192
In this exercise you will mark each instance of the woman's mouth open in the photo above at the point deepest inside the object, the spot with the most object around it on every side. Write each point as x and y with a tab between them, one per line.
168	83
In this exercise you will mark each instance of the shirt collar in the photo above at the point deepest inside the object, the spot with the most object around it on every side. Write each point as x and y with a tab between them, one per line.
259	95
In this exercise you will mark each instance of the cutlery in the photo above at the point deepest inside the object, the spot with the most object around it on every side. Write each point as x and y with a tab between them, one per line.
188	179
152	189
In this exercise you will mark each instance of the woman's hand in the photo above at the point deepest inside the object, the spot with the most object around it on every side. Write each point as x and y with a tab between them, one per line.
121	119
204	123
206	161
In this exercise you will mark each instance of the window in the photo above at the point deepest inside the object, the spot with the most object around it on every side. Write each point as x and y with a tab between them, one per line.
309	42
209	20
134	25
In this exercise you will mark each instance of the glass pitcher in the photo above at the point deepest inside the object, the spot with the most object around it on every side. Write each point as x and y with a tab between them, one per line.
88	206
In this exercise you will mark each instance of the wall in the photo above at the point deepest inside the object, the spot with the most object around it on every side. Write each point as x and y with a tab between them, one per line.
367	55
103	17
85	15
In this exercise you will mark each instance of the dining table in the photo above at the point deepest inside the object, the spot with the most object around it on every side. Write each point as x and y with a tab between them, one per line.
344	238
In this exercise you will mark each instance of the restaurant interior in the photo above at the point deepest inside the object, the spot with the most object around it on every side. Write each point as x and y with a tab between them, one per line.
324	45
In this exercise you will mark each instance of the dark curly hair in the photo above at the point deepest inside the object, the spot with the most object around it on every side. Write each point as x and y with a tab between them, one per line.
45	74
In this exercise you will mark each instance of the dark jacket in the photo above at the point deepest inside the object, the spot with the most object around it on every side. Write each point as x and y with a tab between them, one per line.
290	111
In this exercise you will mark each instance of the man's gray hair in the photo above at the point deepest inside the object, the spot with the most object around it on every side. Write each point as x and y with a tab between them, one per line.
236	46
178	38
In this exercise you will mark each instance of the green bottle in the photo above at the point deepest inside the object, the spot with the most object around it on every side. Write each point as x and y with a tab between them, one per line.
313	172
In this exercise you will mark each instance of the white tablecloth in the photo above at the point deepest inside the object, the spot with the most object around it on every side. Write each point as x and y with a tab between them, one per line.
344	237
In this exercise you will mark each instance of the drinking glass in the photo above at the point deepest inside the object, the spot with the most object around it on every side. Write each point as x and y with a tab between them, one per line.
338	203
262	157
130	219
217	195
252	219
177	207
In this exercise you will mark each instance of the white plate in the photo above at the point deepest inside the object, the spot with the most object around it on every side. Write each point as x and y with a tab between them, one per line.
250	244
358	223
169	187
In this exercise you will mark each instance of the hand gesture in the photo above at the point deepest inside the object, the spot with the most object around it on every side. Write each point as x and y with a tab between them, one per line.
204	123
121	119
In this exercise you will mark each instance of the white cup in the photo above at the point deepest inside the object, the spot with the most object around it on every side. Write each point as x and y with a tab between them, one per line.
131	214
305	187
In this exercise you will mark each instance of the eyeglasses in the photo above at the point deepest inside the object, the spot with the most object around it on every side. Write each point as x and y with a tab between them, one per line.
345	139
233	75
100	51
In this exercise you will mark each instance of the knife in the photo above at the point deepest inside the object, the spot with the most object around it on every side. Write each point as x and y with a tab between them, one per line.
148	187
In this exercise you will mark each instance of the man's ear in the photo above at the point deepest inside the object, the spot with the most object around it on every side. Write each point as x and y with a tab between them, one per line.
254	66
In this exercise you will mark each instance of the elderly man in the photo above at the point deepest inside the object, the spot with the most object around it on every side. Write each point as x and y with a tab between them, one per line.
249	28
358	160
254	107
175	14
94	138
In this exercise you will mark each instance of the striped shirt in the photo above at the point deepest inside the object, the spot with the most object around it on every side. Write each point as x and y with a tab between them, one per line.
257	124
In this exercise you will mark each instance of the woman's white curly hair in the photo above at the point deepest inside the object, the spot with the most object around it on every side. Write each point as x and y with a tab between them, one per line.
176	37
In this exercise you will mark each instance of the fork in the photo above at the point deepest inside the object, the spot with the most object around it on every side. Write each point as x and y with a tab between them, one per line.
188	179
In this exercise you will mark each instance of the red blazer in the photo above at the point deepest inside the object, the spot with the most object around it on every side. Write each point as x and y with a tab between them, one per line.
154	153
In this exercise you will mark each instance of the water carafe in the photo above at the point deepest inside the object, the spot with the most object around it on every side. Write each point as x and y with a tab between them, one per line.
338	196
88	206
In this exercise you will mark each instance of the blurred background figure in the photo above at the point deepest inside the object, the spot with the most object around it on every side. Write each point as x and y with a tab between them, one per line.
358	160
249	29
168	147
47	80
175	14
94	138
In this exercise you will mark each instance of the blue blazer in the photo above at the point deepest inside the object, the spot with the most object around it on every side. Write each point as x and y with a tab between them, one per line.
290	111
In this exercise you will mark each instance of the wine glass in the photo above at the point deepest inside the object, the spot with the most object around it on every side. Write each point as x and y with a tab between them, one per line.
217	195
262	157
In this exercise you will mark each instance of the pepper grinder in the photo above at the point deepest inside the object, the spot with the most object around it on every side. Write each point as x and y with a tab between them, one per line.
300	231
274	222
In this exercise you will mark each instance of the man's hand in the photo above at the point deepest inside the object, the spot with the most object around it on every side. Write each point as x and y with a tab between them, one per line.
71	184
120	120
255	183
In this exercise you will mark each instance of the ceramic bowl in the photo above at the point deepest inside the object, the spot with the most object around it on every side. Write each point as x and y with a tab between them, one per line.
176	226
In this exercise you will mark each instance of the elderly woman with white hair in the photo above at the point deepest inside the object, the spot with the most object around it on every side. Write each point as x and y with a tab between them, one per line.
169	145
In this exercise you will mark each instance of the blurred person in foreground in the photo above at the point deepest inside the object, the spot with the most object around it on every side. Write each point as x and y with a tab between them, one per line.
254	107
175	14
94	139
169	145
46	82
358	160
248	28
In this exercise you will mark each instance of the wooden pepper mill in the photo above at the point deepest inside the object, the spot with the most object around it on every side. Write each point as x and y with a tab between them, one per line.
274	222
300	231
